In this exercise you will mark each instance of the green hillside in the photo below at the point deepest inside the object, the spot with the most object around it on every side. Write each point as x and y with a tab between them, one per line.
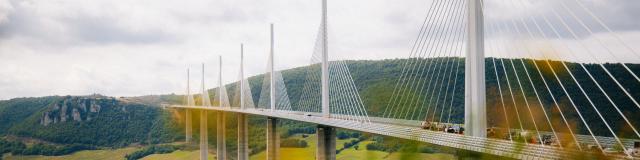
133	121
61	125
17	110
376	80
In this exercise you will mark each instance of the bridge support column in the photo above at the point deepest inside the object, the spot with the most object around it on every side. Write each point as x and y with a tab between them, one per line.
204	136
243	137
188	126
221	152
326	149
273	139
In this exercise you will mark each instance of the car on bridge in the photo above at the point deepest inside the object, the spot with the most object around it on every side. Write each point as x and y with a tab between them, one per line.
635	151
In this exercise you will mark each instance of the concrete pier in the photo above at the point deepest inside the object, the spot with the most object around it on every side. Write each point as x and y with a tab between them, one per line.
204	135
243	137
188	130
326	146
221	152
273	139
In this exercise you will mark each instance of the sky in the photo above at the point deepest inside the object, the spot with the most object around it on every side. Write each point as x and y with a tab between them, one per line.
143	47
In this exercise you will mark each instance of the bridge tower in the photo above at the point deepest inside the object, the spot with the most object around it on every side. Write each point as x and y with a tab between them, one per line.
221	152
189	101
272	83
242	76
475	115
326	135
243	131
325	62
204	135
273	138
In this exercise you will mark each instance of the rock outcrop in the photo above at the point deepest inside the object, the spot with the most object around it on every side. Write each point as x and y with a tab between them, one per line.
75	109
94	107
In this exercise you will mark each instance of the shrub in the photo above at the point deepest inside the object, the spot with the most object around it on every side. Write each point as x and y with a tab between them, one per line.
424	149
152	150
293	143
342	135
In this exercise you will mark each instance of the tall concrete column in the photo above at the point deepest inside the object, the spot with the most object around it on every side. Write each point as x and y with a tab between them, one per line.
242	76
204	135
221	152
243	137
273	139
272	82
188	127
326	149
325	63
475	114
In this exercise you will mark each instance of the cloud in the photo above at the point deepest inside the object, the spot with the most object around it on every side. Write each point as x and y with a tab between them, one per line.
5	9
127	48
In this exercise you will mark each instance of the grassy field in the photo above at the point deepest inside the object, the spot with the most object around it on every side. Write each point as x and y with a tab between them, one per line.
347	154
307	153
178	155
294	153
361	153
398	155
82	155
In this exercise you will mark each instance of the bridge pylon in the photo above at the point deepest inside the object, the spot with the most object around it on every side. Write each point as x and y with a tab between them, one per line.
221	149
325	63
204	133
189	101
243	131
475	114
272	84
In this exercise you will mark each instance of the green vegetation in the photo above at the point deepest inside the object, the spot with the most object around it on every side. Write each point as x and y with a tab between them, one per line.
293	143
154	149
104	154
376	80
139	121
113	124
19	148
117	124
348	153
179	154
16	110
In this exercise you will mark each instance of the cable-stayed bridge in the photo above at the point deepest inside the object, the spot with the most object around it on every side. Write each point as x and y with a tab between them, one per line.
543	106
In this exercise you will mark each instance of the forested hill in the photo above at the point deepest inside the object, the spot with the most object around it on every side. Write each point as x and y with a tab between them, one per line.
108	121
376	80
89	120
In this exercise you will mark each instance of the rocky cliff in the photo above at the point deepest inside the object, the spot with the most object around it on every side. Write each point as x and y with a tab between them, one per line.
76	109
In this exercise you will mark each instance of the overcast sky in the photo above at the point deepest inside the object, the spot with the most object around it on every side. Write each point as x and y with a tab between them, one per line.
141	47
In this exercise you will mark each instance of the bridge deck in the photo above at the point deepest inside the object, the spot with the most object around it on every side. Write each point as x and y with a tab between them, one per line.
484	145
